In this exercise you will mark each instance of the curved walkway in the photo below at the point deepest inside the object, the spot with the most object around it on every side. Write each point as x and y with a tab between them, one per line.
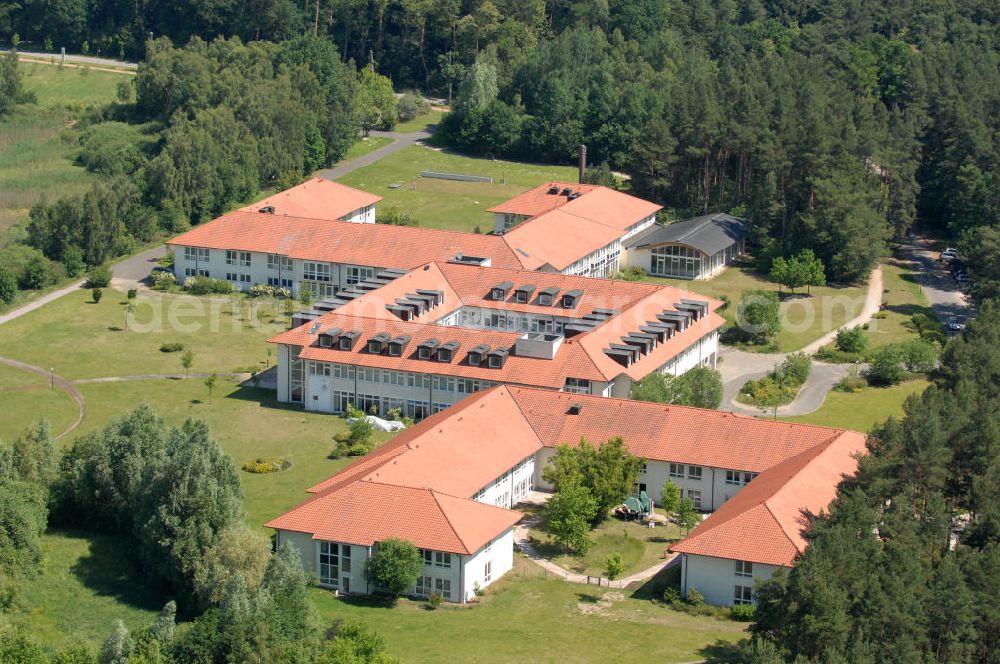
399	142
740	366
524	545
65	385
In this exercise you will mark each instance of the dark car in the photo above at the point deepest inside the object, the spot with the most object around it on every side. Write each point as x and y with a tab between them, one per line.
956	323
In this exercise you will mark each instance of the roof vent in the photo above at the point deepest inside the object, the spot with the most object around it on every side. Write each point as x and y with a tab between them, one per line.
566	192
553	190
267	209
574	409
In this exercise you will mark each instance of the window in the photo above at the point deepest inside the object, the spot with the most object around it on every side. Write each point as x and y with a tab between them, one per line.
192	272
677	470
442	559
425	586
319	369
240	258
280	263
275	281
355	275
521	297
743	568
343	371
488	571
238	276
196	254
316	271
577	386
733	477
443	587
694	472
498	294
742	595
333	558
695	497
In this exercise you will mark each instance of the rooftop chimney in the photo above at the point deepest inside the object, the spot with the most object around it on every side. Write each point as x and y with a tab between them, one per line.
583	162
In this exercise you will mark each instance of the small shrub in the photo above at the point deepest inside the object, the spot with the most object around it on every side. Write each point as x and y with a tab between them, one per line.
631	274
411	105
920	356
171	347
99	277
694	597
852	340
262	466
478	589
743	612
163	280
206	285
96	294
797	367
852	382
726	301
833	356
434	601
395	216
132	293
672	595
880	315
886	366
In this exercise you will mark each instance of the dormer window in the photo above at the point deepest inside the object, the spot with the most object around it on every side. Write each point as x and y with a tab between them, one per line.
497	358
425	351
347	340
571	298
446	352
499	292
478	354
523	294
547	296
398	345
377	343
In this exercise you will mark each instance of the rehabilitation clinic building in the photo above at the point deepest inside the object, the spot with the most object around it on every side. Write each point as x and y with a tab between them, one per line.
449	483
320	235
421	341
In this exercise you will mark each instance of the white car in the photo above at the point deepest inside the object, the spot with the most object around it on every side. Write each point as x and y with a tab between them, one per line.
956	323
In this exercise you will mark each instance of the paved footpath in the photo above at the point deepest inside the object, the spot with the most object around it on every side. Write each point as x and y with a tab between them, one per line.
399	142
737	366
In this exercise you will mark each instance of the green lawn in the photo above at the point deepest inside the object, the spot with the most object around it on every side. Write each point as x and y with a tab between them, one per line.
640	547
26	398
365	145
863	409
904	298
38	141
804	318
420	123
85	340
446	203
247	422
86	582
527	616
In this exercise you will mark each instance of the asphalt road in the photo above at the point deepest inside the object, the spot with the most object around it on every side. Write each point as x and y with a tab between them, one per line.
935	280
399	141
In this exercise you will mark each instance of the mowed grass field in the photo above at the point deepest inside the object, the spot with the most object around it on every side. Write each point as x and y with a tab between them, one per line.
863	409
38	142
26	397
446	203
804	317
903	299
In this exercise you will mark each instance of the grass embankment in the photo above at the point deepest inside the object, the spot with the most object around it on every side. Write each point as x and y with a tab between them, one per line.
38	142
804	317
446	203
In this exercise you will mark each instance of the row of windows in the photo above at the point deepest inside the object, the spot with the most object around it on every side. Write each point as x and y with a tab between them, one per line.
427	585
739	478
196	254
436	558
238	277
238	258
194	272
399	378
280	263
693	472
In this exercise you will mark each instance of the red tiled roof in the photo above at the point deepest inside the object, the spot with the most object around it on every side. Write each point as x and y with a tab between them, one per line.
582	356
679	434
765	521
365	512
417	485
317	198
561	231
379	245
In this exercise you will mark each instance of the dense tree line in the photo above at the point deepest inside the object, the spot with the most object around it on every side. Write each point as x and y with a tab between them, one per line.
173	499
905	566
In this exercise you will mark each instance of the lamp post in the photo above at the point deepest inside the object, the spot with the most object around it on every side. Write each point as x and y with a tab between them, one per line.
52	378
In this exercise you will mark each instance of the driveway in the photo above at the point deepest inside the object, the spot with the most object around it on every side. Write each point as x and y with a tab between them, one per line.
399	142
935	280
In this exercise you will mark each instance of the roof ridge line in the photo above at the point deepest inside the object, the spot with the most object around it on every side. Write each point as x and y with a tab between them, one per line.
447	519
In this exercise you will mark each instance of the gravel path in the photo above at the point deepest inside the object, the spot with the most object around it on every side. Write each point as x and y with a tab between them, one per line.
60	382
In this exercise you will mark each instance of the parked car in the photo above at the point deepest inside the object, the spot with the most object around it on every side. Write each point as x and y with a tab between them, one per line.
949	254
956	323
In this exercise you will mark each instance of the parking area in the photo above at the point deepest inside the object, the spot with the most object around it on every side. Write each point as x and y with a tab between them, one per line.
935	279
